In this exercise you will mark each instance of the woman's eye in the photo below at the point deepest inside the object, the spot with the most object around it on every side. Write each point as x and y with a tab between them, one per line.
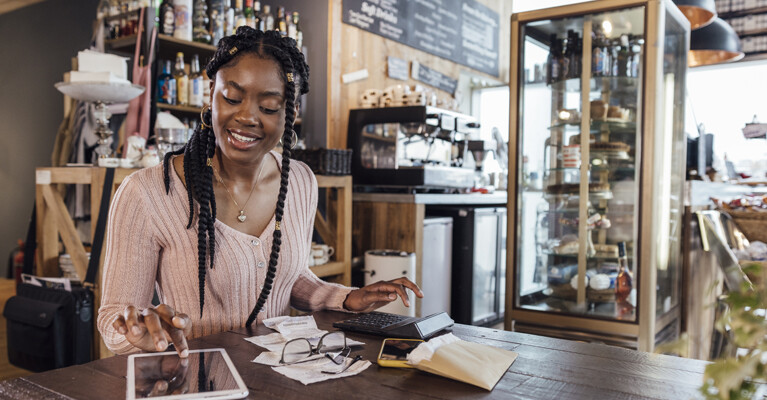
269	110
231	101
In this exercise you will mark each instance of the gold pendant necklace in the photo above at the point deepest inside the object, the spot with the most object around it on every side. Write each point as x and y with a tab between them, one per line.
242	217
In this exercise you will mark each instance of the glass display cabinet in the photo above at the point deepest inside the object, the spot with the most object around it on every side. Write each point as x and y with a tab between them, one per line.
596	193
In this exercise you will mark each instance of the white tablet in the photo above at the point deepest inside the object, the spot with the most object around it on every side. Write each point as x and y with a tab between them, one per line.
206	374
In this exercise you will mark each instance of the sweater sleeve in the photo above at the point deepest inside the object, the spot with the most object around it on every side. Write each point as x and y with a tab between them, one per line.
130	261
311	293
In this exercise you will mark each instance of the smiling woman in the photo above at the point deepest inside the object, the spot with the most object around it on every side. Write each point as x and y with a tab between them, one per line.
253	222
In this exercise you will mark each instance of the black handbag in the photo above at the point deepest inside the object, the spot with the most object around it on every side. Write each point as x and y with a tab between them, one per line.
50	328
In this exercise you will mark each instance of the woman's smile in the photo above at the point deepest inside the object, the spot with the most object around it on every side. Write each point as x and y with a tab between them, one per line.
242	140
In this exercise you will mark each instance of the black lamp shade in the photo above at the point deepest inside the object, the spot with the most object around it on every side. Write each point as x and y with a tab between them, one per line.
699	12
715	43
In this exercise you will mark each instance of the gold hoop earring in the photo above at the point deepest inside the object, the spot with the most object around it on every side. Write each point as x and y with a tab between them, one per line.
294	140
202	118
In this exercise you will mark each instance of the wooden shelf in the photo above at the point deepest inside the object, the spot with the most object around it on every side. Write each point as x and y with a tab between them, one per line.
122	44
335	228
183	109
168	46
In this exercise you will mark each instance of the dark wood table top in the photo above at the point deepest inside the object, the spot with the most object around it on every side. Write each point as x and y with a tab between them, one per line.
546	368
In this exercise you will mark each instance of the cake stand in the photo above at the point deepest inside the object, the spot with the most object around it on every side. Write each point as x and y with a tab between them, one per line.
101	94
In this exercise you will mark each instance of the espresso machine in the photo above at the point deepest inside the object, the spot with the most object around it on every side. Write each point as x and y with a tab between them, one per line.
418	147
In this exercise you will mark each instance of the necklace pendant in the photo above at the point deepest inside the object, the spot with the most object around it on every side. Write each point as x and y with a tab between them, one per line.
241	217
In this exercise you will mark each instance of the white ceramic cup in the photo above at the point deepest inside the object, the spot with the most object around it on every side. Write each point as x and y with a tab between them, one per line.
322	250
320	260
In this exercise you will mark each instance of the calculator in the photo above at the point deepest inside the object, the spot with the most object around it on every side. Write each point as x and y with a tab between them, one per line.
399	326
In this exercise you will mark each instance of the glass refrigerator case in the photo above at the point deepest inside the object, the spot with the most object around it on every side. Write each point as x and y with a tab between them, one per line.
597	118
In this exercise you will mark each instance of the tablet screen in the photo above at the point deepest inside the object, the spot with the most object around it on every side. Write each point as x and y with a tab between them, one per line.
163	375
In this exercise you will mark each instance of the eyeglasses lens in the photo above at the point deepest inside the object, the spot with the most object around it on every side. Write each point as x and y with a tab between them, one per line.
333	341
296	350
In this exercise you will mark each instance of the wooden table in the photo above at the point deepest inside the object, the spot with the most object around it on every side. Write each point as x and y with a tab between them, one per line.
546	368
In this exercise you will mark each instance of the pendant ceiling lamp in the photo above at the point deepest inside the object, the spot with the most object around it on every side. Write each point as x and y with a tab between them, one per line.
699	12
715	43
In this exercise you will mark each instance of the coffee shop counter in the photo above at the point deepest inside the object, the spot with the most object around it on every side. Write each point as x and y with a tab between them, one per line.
496	198
396	221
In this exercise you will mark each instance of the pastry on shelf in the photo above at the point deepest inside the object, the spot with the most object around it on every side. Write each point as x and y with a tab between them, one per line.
570	247
598	110
568	116
617	114
574	188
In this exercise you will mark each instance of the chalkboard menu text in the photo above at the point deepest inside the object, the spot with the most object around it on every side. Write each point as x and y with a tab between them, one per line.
462	31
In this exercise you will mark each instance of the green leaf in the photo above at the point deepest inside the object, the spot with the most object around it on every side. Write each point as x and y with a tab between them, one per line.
730	375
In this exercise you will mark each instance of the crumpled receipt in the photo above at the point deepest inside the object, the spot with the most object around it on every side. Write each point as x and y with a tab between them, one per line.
310	371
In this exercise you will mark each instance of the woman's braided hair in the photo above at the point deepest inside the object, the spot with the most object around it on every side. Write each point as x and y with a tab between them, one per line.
198	173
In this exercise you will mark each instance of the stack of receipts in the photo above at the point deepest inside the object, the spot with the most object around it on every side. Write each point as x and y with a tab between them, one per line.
289	328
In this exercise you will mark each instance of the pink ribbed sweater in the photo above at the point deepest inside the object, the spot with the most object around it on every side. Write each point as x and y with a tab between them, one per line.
148	247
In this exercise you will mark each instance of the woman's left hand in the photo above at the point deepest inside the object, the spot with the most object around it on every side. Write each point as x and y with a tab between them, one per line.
380	294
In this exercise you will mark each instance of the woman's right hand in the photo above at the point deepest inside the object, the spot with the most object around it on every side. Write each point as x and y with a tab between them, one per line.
154	328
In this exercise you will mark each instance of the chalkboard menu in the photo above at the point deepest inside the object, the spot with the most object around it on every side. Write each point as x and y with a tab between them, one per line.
462	31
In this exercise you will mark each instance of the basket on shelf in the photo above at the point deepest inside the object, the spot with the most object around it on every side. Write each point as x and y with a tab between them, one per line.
326	161
752	223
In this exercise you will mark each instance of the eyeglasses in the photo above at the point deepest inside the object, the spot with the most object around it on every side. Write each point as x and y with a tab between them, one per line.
302	349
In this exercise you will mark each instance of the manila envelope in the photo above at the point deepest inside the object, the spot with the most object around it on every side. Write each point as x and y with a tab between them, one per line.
469	362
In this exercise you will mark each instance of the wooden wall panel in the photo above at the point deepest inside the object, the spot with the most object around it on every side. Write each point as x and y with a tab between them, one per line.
352	49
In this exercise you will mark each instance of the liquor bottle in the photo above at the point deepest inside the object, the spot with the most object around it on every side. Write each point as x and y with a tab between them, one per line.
239	16
576	61
229	27
597	53
217	20
268	18
195	83
553	72
624	281
568	49
298	32
291	26
200	32
248	11
182	81
635	62
205	89
281	24
257	20
622	59
183	9
166	86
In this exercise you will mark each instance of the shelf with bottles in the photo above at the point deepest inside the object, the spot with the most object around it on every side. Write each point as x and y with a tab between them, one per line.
610	57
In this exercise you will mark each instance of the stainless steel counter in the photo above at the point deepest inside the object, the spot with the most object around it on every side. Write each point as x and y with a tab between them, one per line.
499	197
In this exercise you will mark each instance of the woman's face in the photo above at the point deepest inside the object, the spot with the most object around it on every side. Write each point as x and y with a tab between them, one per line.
248	108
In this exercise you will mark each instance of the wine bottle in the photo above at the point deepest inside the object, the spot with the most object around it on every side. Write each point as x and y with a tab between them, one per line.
624	281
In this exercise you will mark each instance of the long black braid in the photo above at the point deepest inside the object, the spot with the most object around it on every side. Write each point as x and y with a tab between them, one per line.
202	146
